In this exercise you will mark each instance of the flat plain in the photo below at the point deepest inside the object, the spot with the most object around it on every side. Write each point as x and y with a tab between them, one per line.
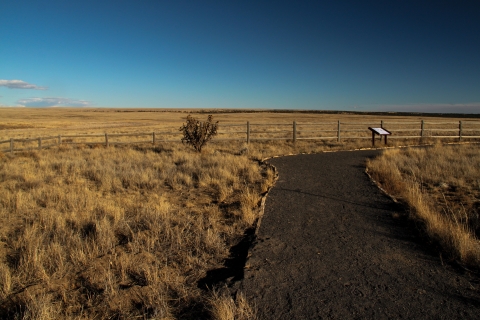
90	232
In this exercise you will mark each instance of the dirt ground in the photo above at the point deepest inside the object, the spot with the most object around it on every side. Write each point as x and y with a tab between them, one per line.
331	245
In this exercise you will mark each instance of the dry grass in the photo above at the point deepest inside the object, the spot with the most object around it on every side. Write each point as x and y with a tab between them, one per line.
442	186
119	232
224	307
125	232
31	123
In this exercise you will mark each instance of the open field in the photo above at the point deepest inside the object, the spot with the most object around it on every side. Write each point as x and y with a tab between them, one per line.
128	231
27	129
25	122
441	185
119	232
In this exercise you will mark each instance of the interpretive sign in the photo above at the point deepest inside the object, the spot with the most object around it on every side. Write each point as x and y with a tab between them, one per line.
382	132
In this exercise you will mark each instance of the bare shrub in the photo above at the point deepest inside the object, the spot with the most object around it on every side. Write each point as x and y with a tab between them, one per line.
197	133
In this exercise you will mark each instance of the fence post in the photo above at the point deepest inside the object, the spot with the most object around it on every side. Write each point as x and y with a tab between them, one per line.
153	138
40	143
381	126
294	131
248	132
338	131
11	145
421	130
106	140
460	130
59	139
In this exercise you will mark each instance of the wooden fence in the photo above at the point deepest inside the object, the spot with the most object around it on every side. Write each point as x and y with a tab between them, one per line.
247	132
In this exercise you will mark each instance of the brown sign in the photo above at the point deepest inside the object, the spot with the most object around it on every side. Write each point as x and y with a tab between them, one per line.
381	132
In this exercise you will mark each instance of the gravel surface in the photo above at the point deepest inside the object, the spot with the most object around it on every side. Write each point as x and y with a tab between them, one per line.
331	245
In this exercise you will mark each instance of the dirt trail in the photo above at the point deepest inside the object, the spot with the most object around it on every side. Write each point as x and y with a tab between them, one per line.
331	246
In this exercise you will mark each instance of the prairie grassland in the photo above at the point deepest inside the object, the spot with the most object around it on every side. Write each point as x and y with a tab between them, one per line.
25	123
128	231
32	123
120	232
441	184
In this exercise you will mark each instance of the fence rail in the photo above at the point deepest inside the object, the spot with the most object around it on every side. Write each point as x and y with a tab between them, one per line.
292	131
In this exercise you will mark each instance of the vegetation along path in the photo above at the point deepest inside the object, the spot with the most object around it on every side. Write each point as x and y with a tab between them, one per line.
331	245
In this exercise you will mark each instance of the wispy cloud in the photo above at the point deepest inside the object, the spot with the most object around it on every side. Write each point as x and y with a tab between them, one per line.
8	106
19	84
53	102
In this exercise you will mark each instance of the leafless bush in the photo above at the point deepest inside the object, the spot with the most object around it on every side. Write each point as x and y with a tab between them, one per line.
197	133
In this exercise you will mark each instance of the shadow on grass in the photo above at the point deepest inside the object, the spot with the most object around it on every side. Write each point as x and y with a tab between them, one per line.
233	267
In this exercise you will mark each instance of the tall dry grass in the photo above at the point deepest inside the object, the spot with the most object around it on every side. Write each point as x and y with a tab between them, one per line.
441	184
119	232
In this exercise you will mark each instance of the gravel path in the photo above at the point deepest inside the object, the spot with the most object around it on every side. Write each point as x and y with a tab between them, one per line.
331	246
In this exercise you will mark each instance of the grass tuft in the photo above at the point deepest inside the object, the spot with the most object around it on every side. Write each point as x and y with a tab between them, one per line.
224	307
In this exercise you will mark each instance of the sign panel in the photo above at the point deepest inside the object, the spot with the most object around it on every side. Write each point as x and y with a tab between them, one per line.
380	131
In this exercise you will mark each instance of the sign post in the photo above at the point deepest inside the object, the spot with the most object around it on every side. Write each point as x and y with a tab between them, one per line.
381	132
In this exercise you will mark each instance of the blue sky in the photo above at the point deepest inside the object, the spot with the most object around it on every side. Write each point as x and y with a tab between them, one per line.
324	55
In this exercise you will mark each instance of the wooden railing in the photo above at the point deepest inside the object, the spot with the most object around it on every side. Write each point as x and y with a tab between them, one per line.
248	132
338	130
